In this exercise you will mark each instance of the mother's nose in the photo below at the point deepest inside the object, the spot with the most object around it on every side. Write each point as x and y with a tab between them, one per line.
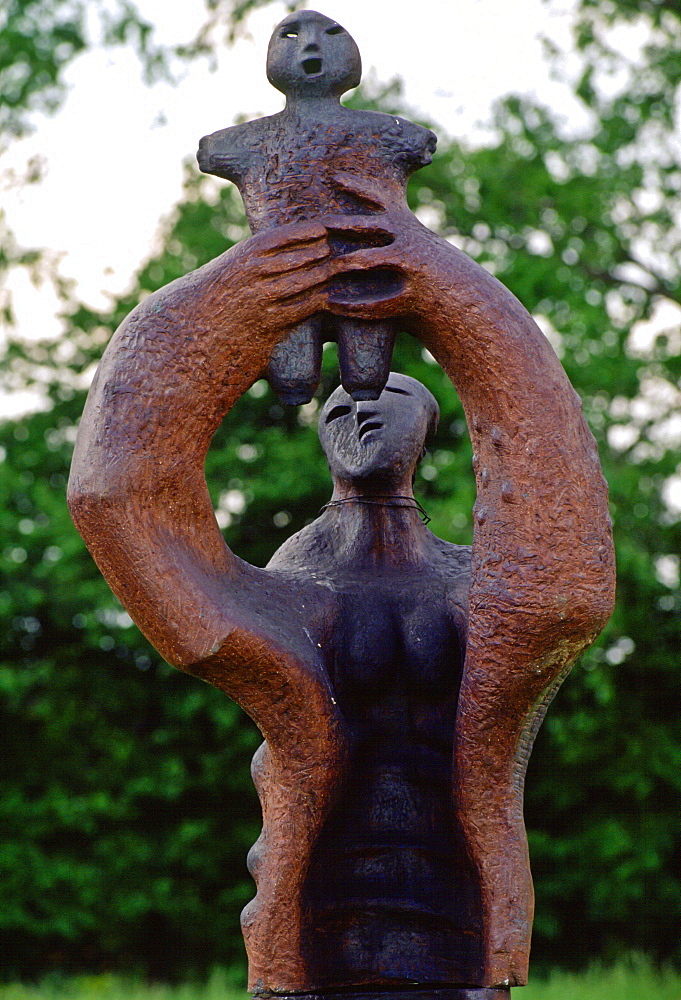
365	411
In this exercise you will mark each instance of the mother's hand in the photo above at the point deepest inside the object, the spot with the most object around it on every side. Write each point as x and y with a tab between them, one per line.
433	282
187	352
254	292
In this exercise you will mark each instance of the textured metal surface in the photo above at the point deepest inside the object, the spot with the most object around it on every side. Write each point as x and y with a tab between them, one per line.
398	680
314	158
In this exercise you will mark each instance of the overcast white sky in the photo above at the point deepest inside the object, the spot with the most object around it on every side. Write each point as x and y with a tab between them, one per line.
114	153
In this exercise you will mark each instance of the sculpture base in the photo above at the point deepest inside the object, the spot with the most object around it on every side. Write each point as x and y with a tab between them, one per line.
417	993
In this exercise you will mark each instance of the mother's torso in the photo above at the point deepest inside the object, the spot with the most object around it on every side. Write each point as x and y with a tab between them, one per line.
389	890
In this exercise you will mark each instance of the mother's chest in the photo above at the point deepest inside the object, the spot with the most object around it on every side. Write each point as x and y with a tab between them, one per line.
385	639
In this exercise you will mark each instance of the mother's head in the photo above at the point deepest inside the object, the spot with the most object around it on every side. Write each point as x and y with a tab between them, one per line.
379	441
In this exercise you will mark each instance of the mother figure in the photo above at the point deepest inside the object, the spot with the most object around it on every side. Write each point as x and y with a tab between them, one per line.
398	680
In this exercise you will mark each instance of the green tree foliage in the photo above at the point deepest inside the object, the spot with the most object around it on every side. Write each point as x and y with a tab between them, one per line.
125	811
126	800
40	38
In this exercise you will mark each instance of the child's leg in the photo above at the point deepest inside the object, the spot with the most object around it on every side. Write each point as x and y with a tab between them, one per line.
364	358
365	351
293	370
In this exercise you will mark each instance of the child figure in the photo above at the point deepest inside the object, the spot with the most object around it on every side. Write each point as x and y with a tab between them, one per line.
310	160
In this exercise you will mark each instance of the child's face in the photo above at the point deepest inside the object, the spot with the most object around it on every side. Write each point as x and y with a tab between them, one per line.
312	56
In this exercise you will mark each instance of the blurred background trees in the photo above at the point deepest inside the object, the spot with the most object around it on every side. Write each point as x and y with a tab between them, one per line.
126	808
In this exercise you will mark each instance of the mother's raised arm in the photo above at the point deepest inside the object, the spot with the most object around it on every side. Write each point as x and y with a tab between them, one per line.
542	569
542	542
542	583
175	366
138	496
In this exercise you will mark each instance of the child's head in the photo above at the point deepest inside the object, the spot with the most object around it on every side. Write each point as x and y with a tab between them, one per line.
310	55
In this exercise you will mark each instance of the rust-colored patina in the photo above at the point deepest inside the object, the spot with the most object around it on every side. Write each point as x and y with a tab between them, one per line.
313	158
398	680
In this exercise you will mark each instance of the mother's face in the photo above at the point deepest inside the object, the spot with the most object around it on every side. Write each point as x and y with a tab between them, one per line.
378	438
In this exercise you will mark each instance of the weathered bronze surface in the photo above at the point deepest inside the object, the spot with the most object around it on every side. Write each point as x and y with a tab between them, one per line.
398	680
314	158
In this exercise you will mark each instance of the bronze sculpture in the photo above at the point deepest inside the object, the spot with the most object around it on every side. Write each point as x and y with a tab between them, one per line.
398	680
312	158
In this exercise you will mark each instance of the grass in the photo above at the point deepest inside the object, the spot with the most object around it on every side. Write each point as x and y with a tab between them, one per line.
107	986
631	979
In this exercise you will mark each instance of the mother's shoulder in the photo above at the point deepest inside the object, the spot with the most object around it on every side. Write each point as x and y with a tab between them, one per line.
448	555
452	563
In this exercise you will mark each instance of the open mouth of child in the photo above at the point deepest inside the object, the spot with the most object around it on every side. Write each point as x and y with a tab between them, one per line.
312	67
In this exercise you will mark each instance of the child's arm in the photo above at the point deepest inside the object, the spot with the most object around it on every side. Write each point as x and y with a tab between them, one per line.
402	141
419	144
225	153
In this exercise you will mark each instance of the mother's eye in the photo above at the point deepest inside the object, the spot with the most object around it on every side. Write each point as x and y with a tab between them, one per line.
289	33
337	411
392	388
334	30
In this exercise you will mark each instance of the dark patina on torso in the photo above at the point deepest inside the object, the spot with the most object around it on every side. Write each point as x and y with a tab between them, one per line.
295	166
316	159
390	894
